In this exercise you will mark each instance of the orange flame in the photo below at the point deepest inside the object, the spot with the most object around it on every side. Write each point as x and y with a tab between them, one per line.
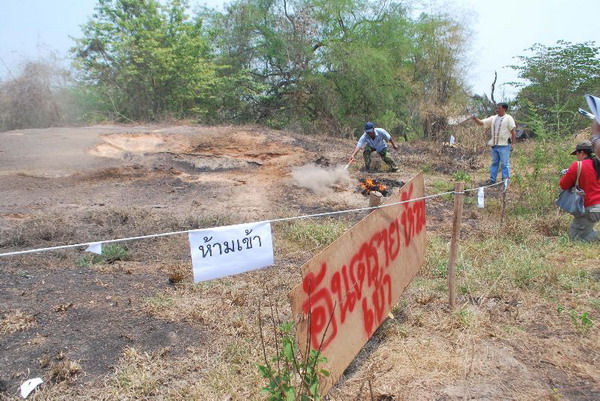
369	185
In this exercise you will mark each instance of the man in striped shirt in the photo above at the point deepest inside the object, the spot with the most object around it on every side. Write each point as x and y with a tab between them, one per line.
502	128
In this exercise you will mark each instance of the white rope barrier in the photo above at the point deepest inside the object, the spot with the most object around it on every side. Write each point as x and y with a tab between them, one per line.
503	182
308	216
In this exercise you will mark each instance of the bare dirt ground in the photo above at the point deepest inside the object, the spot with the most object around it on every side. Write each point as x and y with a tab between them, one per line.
125	330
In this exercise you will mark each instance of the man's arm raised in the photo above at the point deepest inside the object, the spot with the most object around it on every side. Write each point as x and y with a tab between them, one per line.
478	121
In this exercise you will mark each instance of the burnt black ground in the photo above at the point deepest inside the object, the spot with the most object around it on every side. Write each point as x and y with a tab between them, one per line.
82	315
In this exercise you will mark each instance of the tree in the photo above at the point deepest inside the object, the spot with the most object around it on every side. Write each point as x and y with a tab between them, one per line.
147	60
271	41
556	78
336	63
35	98
366	57
437	66
308	64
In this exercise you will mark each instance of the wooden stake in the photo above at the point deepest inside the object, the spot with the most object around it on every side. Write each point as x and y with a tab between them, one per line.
503	207
375	198
458	208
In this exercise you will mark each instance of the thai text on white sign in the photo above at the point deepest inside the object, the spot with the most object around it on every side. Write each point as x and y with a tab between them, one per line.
224	251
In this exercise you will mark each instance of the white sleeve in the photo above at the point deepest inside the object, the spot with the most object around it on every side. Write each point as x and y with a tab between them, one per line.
510	123
385	134
361	141
487	122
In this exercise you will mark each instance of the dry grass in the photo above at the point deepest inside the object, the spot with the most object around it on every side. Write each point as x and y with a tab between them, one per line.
503	341
14	321
64	371
308	235
47	230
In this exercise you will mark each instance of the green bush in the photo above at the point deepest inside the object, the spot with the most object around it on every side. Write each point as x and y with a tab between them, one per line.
290	376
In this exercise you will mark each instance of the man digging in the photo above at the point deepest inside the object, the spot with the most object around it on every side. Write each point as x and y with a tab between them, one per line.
374	140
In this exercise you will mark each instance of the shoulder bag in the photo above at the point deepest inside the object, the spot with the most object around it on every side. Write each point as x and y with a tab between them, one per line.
571	200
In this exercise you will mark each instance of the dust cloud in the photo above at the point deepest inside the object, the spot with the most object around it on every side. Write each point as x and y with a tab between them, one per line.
319	179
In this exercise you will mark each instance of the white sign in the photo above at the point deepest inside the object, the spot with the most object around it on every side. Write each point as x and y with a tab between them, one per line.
480	198
452	140
223	251
95	247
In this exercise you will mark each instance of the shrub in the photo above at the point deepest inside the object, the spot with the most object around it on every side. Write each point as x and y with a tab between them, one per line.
293	378
110	254
32	99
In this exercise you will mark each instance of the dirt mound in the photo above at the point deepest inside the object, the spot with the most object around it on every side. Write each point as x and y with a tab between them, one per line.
141	143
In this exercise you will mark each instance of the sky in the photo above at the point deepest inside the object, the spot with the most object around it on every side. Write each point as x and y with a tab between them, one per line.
499	31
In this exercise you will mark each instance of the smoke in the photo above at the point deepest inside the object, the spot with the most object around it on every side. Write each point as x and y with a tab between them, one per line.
319	179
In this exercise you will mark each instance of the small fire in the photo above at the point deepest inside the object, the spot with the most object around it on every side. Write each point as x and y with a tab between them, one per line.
369	185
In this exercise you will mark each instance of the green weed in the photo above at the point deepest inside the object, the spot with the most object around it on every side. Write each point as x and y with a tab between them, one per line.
110	254
463	316
427	168
441	186
582	321
462	175
290	376
536	181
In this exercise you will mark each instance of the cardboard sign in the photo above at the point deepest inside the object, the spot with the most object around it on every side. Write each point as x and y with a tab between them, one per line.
223	251
350	287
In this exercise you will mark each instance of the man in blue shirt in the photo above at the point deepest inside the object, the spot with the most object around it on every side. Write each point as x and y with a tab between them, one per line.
374	140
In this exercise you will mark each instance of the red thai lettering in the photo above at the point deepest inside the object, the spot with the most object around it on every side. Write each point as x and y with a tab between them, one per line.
320	309
413	217
394	240
372	317
363	281
360	265
383	253
347	296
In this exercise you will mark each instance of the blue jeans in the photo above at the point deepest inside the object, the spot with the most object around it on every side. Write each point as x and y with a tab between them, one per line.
500	155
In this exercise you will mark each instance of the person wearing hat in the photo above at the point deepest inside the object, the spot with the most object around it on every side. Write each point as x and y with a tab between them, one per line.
502	129
582	227
583	150
374	140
